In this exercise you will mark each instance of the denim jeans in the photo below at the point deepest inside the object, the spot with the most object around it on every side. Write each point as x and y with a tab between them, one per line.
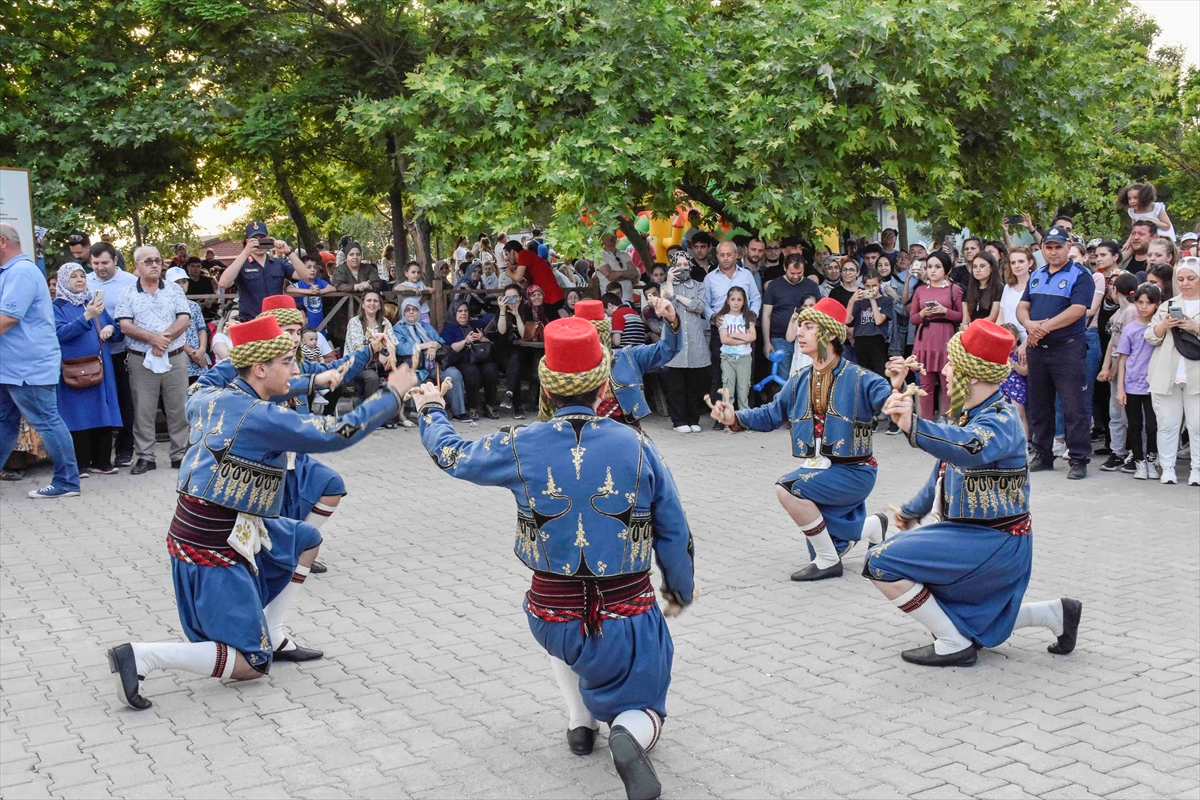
39	406
784	346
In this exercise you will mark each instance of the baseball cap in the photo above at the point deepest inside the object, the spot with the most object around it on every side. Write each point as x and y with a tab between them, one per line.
919	243
1189	236
255	229
1057	235
78	237
177	274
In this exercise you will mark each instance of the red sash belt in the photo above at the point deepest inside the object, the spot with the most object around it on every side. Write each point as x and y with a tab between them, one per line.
199	533
563	598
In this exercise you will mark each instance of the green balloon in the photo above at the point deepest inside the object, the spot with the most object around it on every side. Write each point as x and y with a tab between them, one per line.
643	224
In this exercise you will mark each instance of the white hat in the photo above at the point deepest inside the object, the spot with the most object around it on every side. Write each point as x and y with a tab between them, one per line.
177	274
1189	235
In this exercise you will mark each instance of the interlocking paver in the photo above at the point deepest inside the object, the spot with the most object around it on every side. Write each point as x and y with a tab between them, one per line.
432	686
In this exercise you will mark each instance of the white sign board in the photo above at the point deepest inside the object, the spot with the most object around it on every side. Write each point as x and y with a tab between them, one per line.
16	205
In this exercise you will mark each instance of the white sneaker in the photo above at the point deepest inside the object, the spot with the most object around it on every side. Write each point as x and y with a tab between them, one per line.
694	428
683	429
1060	448
1194	477
1152	471
1139	471
1168	476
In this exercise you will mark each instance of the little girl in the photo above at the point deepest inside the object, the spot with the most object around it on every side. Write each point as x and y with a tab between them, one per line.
1133	385
799	360
1140	201
737	346
412	280
1014	385
1122	288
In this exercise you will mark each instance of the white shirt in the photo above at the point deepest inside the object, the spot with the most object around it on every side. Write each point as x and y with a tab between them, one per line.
112	290
1009	301
1153	215
617	262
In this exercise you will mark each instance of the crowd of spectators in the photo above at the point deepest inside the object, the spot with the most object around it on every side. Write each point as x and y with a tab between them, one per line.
1106	361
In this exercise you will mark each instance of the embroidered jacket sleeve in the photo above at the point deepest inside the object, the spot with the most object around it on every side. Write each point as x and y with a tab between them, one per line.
985	438
672	536
486	462
648	357
773	414
922	503
875	390
304	433
358	362
224	373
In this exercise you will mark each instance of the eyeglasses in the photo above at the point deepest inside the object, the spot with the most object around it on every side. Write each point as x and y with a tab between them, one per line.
977	267
150	261
776	247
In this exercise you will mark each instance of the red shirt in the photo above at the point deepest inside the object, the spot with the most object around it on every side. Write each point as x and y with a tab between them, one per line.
539	272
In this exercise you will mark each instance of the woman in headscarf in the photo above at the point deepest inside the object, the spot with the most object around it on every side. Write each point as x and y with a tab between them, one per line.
414	337
1174	372
535	313
473	354
472	279
85	329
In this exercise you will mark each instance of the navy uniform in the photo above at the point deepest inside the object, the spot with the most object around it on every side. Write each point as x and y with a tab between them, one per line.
627	402
235	560
832	412
595	506
969	569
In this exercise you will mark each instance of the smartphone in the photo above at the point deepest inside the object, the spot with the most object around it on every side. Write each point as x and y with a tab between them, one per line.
931	304
1015	219
100	295
1176	312
948	243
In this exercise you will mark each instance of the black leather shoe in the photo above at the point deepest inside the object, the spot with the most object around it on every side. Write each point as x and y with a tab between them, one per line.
318	568
124	669
1072	611
142	466
1077	472
1041	465
581	739
633	765
297	653
177	464
927	656
814	573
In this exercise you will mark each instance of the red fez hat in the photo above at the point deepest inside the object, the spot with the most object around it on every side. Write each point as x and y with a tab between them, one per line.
831	308
279	302
572	346
589	309
988	341
259	329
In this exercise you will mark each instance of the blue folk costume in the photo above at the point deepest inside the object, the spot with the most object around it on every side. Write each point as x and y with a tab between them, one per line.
975	559
595	504
233	556
629	365
832	412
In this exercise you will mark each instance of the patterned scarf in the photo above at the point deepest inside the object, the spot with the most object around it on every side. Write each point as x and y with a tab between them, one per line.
62	289
829	328
967	366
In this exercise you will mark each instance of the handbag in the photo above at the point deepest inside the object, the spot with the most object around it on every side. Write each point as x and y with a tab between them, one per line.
1188	344
86	371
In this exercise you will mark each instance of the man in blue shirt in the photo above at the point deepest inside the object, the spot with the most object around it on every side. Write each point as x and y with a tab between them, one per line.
1053	312
258	274
29	365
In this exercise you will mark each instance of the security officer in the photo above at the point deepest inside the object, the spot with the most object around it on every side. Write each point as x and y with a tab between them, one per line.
258	274
1053	312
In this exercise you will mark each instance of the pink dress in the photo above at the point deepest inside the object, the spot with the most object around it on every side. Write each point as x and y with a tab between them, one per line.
933	333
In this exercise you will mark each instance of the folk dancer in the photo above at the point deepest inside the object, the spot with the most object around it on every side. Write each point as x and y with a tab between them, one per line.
588	531
626	401
312	491
237	564
832	406
964	576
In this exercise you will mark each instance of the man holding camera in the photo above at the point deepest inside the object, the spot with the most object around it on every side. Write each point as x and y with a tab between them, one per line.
257	274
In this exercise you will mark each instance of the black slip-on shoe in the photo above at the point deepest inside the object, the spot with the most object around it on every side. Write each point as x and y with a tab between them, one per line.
581	740
318	568
927	656
124	669
814	573
633	765
1072	611
297	653
142	466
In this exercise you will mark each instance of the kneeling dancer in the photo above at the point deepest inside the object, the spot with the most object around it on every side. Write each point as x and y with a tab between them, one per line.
964	576
237	564
589	534
832	407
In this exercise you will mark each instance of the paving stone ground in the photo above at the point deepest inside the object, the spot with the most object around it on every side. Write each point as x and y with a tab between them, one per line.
433	687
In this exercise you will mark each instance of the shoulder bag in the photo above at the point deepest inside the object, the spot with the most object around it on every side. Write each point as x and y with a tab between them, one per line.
86	371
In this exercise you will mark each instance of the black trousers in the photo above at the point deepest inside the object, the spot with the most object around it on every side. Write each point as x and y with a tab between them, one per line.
515	359
477	376
1059	370
1138	408
872	352
714	356
93	448
685	394
124	435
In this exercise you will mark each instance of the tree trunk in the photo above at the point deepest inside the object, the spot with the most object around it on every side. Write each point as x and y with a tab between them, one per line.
308	239
422	232
702	195
635	237
137	224
901	220
396	200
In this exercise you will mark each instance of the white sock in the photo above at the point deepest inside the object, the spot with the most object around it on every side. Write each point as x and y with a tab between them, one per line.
211	659
644	724
578	715
277	610
822	544
922	606
1046	614
319	515
872	530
